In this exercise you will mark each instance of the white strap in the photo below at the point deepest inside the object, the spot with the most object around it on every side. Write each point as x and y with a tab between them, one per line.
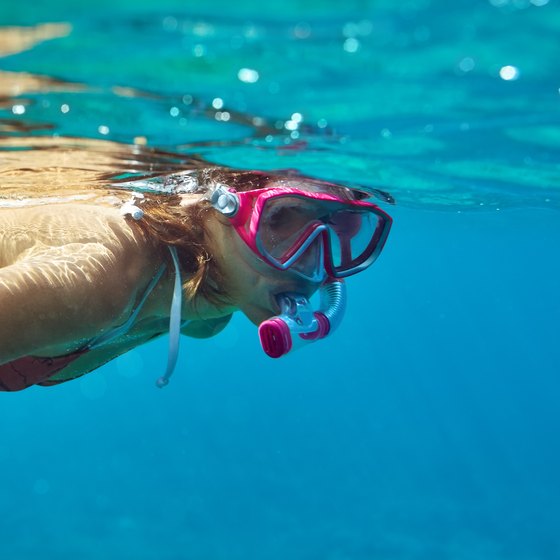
174	323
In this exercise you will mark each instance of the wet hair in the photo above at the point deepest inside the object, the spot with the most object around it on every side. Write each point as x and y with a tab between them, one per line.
168	223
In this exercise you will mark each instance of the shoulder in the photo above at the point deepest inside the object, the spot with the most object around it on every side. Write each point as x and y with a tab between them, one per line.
38	228
67	274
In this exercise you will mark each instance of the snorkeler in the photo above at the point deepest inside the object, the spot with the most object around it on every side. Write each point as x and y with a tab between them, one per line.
86	278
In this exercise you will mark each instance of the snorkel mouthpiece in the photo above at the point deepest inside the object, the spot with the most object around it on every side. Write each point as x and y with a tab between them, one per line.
299	323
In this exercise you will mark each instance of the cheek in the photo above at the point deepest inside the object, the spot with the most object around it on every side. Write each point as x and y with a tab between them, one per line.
244	278
243	263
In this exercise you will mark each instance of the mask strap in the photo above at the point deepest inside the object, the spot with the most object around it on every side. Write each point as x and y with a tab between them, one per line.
174	323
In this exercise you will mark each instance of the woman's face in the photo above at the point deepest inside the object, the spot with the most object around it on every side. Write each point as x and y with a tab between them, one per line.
252	285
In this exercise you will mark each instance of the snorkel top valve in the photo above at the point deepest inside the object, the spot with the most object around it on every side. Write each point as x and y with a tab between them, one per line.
298	323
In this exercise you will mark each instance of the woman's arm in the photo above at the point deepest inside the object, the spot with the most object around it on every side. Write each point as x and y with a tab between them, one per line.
56	298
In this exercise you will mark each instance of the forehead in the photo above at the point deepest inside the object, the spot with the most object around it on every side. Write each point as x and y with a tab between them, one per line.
295	205
243	180
314	186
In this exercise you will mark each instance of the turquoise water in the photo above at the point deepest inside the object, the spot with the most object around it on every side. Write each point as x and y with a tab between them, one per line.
427	428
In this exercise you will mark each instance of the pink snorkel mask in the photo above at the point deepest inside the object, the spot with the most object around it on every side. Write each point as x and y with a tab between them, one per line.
316	235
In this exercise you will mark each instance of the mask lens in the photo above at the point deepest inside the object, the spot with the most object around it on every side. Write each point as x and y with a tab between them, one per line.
352	234
288	229
285	223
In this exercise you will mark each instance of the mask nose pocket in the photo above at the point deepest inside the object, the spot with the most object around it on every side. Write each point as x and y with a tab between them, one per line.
311	263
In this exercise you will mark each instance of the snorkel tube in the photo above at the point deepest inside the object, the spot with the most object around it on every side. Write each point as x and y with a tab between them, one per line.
298	323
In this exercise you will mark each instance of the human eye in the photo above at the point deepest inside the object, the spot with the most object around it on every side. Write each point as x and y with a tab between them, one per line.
289	219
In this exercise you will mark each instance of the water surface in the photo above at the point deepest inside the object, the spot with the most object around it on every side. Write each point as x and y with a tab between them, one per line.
427	427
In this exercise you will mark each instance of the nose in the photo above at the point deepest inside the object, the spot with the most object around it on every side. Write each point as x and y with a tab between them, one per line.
311	263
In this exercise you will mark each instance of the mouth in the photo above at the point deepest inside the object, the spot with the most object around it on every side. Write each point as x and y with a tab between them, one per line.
274	303
302	290
262	308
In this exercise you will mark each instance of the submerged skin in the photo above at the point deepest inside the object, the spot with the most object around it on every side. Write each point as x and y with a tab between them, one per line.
70	271
72	267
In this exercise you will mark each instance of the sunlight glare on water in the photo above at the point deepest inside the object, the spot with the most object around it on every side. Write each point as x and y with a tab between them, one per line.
426	427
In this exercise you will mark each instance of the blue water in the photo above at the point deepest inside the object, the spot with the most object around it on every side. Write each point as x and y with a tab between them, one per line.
427	428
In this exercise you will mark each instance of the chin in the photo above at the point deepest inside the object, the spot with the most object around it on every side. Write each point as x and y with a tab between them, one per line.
259	314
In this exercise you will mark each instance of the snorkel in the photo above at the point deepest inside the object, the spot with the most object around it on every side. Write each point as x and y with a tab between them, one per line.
298	324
